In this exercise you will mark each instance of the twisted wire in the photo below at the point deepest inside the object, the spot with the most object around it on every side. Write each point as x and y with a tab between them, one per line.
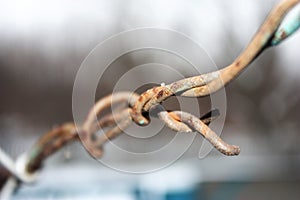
131	106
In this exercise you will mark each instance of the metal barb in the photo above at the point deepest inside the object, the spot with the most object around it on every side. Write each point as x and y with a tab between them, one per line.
114	123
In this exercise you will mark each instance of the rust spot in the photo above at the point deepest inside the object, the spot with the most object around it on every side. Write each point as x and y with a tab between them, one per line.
175	86
283	35
141	98
156	89
174	116
160	94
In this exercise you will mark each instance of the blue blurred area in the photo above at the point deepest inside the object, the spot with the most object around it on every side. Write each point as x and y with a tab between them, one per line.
182	181
204	191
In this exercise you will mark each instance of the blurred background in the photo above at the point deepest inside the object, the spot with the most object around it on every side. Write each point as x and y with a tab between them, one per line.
42	45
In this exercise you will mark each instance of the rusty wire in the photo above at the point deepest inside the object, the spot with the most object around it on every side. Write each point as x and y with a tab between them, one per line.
203	85
131	106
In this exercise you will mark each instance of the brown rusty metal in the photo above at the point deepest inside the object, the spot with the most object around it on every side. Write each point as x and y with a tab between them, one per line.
207	84
91	125
156	95
185	122
173	123
115	122
49	144
197	125
261	40
105	103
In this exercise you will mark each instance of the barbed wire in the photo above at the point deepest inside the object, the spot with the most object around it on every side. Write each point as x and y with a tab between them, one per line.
132	107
